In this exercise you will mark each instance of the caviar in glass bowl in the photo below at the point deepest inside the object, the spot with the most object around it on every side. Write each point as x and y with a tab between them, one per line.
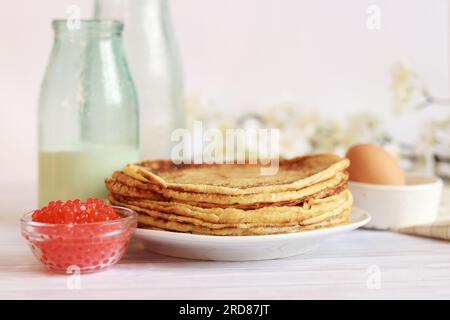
74	235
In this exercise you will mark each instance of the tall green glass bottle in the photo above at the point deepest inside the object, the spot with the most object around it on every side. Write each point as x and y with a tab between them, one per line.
88	111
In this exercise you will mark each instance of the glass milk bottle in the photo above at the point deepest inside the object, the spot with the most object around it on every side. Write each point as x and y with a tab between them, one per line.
155	65
88	113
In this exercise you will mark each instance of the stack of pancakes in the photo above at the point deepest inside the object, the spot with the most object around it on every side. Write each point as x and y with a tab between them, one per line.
306	193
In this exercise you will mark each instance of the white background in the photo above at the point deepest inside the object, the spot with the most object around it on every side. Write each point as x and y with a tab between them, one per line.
245	54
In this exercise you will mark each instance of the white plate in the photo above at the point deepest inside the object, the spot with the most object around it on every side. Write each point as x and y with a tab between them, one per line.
242	248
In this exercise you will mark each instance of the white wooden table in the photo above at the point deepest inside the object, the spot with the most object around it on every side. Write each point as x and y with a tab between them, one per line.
359	264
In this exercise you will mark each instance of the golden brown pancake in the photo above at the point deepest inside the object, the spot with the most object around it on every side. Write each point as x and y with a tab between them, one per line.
122	191
149	222
306	193
311	212
237	179
244	199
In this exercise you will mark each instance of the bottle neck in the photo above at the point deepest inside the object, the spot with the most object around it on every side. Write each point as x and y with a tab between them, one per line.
87	29
122	9
152	8
109	9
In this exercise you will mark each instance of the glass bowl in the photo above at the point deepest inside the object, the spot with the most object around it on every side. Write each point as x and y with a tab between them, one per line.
80	247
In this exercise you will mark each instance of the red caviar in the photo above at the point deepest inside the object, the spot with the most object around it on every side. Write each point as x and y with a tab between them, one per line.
87	235
75	211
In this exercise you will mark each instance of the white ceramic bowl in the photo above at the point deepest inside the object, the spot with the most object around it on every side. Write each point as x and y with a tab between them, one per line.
390	207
